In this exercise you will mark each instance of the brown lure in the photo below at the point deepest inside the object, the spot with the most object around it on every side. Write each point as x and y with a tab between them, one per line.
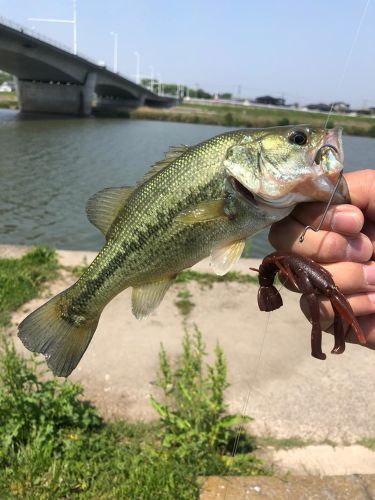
311	280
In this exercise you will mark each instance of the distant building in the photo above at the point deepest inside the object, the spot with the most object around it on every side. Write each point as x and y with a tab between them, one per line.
7	87
341	107
319	107
267	99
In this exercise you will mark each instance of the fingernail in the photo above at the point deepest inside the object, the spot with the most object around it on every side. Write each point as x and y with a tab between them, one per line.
358	250
371	297
369	271
346	222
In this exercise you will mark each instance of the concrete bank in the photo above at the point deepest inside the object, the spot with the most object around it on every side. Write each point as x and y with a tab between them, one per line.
273	377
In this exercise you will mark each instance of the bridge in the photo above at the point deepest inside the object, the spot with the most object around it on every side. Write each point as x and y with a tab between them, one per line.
51	79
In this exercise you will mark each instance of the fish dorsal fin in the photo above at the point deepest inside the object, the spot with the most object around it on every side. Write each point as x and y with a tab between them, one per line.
172	155
203	212
146	298
103	207
224	258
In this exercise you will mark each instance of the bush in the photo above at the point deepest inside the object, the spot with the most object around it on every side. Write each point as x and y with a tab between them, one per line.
32	411
228	119
194	419
283	122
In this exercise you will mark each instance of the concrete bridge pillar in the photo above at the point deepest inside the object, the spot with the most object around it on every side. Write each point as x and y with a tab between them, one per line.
56	97
117	106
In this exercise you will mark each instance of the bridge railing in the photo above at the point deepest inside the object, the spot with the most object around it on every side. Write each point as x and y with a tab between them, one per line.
43	38
39	36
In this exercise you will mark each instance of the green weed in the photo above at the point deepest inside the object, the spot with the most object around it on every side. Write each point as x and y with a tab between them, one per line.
282	443
21	279
183	302
194	419
368	443
208	279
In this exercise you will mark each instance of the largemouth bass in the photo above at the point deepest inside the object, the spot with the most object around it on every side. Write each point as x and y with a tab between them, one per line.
199	201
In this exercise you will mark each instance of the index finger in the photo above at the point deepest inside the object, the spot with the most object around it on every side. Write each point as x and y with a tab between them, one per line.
343	219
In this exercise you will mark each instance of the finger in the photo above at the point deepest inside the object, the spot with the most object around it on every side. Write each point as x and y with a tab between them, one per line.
362	191
350	277
369	231
344	219
363	306
323	246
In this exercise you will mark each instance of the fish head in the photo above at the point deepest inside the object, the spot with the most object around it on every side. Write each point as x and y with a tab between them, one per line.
280	167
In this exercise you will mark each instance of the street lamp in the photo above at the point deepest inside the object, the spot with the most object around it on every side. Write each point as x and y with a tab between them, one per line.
69	21
152	78
159	83
138	68
115	51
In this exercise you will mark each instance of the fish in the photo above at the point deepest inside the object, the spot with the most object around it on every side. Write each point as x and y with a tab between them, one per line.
199	201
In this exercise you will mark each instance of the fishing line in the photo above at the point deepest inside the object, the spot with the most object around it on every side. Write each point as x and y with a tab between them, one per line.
240	428
349	56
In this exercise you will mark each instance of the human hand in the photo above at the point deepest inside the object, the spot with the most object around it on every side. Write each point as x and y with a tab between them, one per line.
345	246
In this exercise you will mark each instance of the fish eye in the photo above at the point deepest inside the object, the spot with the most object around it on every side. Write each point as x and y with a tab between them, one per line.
299	138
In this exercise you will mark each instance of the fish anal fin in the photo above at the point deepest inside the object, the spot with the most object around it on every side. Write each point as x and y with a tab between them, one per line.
103	207
147	297
224	258
203	212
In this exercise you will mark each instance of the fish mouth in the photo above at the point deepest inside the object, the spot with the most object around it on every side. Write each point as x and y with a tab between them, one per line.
239	188
323	153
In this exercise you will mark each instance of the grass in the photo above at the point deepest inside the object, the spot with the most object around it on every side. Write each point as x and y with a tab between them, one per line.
53	444
368	443
21	279
8	100
282	443
228	115
183	302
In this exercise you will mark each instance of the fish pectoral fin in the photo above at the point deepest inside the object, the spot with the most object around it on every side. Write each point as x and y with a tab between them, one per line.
147	297
103	207
203	212
224	258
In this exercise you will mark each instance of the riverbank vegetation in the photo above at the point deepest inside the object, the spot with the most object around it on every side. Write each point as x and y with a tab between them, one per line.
54	444
21	279
247	116
239	116
8	100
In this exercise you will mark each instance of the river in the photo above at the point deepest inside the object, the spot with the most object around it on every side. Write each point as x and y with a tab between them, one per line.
50	166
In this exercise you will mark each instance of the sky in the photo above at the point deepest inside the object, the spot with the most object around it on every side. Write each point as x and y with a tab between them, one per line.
296	49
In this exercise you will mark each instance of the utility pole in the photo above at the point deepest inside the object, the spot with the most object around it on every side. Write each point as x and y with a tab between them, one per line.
115	50
68	21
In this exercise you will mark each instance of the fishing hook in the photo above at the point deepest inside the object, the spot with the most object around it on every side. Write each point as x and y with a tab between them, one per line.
316	229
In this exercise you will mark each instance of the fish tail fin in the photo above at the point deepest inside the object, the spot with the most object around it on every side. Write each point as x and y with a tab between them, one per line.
62	342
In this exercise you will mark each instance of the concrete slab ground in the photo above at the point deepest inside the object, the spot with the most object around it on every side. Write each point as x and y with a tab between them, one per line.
286	488
272	375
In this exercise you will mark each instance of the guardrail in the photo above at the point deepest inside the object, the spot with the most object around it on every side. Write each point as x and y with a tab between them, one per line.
43	38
